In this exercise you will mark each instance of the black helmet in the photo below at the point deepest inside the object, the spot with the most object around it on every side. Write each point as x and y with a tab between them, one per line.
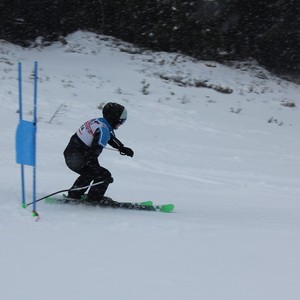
114	114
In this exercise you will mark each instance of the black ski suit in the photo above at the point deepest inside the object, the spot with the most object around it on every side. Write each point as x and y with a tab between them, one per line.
81	156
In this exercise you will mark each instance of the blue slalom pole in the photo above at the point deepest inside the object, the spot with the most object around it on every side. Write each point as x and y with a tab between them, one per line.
35	129
26	140
21	118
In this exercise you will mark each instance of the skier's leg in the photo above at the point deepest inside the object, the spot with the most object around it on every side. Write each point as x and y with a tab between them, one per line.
83	180
76	159
102	175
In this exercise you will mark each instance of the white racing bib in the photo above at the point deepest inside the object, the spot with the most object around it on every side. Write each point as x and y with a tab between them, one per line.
87	131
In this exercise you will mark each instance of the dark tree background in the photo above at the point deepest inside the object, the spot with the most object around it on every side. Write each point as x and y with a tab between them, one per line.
268	30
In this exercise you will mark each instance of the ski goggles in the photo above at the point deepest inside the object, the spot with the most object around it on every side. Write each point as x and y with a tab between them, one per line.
122	121
123	117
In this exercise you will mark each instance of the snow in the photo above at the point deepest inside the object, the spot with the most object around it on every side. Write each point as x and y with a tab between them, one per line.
228	161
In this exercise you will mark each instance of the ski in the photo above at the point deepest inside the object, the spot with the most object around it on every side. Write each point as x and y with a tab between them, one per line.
146	205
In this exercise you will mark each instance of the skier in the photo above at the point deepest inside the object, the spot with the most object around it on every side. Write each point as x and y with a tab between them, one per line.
81	154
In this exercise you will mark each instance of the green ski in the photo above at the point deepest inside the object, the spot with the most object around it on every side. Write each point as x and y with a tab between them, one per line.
145	205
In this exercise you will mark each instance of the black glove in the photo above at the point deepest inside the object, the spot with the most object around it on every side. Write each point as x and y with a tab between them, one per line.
126	151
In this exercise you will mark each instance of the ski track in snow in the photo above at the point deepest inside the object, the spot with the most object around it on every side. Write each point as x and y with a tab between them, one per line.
229	162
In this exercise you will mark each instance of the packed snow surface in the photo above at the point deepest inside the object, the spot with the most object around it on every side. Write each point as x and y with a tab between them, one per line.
220	142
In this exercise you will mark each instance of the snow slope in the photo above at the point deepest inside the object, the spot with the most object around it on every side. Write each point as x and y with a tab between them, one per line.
220	142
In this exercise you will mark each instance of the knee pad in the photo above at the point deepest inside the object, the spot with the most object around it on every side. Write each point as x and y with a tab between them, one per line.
106	176
109	180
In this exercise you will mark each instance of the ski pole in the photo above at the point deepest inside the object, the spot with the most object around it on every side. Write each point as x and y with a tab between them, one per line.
111	149
66	190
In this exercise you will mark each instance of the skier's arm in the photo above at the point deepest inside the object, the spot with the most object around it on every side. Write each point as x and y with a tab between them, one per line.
96	148
117	144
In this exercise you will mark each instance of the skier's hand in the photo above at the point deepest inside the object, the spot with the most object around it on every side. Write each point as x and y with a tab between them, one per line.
126	151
